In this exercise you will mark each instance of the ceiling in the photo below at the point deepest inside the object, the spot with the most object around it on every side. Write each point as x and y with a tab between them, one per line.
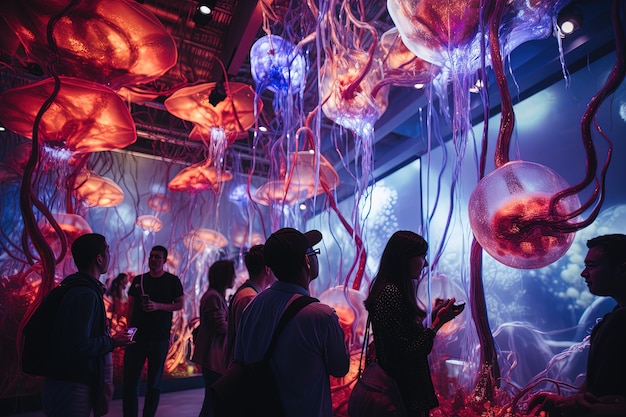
236	24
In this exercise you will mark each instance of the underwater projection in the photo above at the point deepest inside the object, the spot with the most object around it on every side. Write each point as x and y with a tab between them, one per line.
505	204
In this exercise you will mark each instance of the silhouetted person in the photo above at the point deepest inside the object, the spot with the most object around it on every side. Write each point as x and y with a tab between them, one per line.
81	341
311	346
210	340
604	391
153	297
260	278
402	342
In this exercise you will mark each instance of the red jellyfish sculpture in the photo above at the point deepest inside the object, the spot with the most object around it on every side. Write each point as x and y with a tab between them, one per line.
199	177
98	191
67	116
83	116
224	111
112	42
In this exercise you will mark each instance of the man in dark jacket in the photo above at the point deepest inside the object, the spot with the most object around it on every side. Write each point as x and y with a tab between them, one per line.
80	338
604	392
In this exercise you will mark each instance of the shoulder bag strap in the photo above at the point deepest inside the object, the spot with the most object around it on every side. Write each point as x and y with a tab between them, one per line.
293	309
366	338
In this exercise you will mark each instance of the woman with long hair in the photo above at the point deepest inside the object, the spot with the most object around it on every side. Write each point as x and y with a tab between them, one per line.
402	343
210	339
118	295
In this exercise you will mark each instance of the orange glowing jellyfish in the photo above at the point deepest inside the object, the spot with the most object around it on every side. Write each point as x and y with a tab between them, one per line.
84	116
306	170
112	42
72	225
203	239
234	113
239	238
198	177
301	182
348	303
160	203
98	191
149	223
401	66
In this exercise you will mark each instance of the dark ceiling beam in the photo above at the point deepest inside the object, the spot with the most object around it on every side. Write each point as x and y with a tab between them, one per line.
242	33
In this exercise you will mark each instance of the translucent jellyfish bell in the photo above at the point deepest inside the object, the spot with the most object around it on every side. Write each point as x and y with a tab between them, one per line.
277	65
98	191
149	223
202	239
198	177
72	225
83	117
508	213
353	107
113	42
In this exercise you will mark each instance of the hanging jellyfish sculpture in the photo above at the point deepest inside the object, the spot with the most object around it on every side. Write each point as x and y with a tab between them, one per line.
454	36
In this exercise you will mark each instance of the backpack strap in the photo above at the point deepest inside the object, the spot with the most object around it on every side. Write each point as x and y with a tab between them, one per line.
294	307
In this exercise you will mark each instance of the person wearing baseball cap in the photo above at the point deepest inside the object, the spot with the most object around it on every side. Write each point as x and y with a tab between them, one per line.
311	347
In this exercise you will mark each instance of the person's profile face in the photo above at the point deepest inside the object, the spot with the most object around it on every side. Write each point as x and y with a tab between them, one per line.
598	273
416	266
104	265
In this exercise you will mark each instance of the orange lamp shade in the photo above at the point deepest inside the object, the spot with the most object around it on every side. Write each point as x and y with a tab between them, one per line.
113	42
98	191
84	116
234	114
198	177
202	239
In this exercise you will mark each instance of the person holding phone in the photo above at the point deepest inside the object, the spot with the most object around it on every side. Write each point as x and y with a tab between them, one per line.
152	299
401	340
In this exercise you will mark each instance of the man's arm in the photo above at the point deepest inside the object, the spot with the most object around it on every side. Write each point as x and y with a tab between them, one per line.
175	306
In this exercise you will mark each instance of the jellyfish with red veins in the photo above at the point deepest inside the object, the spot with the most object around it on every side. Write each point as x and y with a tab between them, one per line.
67	117
224	115
401	66
83	116
112	42
199	177
449	34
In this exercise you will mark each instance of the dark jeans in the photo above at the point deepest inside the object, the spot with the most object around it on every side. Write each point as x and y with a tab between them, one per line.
207	405
134	359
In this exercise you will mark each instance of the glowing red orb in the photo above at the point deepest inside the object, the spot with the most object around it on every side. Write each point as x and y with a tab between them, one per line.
510	216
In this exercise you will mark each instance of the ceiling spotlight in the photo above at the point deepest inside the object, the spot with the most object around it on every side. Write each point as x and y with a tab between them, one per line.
569	20
204	12
218	94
